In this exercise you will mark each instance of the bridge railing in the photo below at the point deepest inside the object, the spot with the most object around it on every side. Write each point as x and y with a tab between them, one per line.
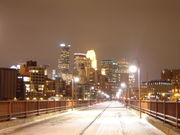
20	109
163	110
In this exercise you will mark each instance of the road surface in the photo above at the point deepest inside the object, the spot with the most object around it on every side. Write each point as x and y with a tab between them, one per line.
109	118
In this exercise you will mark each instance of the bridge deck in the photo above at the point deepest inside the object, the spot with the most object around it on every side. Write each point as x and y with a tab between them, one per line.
109	118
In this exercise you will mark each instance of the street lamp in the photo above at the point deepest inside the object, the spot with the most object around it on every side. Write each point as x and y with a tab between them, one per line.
118	93
90	94
124	86
74	80
92	88
134	69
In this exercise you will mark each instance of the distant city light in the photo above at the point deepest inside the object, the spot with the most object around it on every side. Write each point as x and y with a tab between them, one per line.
107	96
133	68
120	90
45	72
92	87
55	76
123	85
34	98
18	66
76	79
118	95
13	67
103	71
62	45
26	79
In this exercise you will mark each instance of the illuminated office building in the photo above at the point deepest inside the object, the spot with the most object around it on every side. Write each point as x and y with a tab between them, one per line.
80	67
91	67
64	60
123	75
109	72
92	56
37	78
106	67
156	89
172	75
33	79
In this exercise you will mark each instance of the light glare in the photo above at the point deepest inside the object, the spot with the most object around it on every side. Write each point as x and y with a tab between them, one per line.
62	45
133	69
76	79
123	85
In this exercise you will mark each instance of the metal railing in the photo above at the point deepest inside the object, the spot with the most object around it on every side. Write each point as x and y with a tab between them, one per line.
163	110
22	109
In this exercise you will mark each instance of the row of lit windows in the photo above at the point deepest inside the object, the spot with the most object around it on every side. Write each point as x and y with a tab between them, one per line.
158	83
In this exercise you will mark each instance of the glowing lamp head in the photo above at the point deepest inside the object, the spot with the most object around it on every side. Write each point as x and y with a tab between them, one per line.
62	45
123	85
76	79
92	88
133	69
18	66
13	67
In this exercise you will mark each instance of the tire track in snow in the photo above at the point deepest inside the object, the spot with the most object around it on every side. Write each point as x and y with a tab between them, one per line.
98	116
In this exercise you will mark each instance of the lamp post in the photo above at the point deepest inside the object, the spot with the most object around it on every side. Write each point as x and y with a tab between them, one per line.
134	69
90	94
124	86
74	80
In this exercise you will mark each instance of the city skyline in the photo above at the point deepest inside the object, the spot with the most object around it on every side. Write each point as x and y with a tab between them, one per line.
148	31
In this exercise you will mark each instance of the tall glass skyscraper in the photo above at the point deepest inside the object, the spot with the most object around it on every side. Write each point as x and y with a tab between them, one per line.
64	60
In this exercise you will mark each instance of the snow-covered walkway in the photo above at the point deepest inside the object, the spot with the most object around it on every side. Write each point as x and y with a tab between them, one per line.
109	118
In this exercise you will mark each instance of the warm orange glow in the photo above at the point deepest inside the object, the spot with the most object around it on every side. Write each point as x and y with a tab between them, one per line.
103	71
92	56
177	95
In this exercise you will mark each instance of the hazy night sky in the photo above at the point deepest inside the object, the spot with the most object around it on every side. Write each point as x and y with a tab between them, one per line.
148	30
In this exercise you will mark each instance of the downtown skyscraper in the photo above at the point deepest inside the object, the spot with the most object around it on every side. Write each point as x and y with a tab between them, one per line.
64	60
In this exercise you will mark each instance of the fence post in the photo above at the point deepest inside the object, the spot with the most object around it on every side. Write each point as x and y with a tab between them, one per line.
47	107
177	123
164	110
26	108
54	106
38	107
156	107
130	103
66	103
149	107
72	104
127	102
9	108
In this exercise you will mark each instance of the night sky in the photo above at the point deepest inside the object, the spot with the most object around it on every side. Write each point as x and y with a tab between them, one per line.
148	30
